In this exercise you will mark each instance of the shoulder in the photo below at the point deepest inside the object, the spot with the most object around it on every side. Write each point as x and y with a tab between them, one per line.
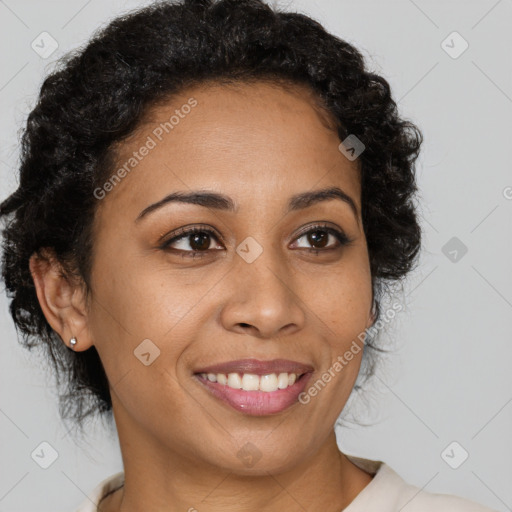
109	484
411	498
389	492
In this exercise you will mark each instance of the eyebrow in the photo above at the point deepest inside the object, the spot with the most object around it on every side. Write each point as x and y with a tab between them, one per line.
225	203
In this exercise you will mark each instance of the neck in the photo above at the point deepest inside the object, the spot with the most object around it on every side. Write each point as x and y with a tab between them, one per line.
162	480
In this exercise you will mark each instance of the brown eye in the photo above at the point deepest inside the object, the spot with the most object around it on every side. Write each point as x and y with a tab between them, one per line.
191	242
199	241
318	239
322	238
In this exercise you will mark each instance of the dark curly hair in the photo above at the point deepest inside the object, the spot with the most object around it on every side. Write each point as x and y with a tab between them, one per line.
99	94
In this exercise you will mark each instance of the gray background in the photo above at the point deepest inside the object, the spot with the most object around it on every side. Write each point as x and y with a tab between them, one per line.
449	378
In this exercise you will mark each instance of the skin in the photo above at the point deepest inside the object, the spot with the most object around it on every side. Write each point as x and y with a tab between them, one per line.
258	144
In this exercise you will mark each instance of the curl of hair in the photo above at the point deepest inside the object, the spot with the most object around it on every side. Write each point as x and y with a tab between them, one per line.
98	95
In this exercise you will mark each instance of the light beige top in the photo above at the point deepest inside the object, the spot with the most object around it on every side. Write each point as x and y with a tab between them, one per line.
387	492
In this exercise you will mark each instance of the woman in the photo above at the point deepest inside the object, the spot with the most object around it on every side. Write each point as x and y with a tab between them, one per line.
213	198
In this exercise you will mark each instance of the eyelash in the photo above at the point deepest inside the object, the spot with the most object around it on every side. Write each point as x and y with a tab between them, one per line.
342	238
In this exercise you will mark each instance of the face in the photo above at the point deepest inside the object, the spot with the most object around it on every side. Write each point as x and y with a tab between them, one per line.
259	280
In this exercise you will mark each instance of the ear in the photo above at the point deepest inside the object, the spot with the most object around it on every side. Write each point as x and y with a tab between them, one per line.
62	300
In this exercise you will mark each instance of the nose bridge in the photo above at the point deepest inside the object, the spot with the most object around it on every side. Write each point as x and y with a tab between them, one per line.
263	295
266	275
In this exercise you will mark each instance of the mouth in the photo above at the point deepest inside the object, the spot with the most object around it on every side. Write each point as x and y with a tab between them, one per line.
256	387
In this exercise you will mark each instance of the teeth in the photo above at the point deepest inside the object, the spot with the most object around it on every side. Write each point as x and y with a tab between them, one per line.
268	382
282	380
252	382
234	381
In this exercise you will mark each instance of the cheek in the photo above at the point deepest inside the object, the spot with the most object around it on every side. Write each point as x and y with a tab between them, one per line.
139	301
340	299
146	298
141	334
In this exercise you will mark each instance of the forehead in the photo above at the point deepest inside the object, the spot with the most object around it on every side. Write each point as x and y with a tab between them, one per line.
246	138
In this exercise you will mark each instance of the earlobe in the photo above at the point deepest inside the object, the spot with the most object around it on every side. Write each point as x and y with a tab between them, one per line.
57	297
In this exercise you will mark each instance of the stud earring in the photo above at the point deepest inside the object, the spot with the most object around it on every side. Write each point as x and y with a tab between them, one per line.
72	342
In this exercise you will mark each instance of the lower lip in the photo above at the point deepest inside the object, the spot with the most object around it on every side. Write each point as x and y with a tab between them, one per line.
257	403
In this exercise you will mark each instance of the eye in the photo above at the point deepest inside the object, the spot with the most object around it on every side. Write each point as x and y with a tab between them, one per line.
191	242
318	236
197	241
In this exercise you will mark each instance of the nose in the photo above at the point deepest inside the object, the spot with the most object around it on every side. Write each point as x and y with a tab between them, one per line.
262	299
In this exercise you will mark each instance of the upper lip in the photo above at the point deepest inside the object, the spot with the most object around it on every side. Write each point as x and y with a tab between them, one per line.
258	367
